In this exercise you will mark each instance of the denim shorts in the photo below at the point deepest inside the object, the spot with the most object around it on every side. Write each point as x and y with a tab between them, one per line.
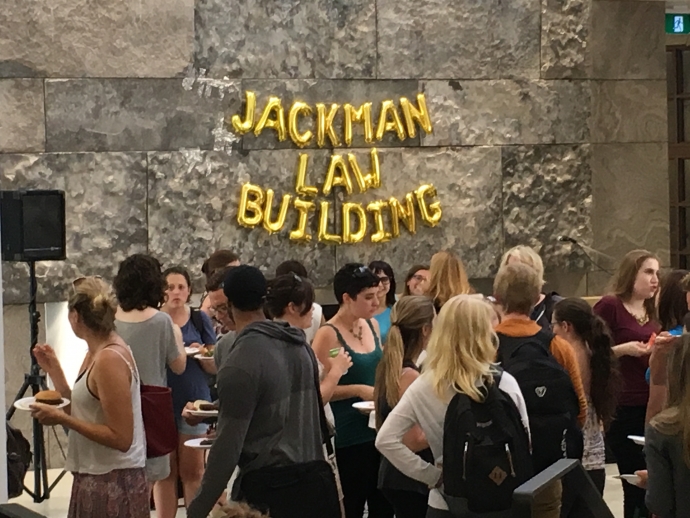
186	429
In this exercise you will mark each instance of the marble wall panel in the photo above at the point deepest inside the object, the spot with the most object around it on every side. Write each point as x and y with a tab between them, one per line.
475	113
193	206
631	204
629	111
105	220
465	39
288	39
627	40
547	192
565	30
468	182
132	114
96	38
22	120
327	92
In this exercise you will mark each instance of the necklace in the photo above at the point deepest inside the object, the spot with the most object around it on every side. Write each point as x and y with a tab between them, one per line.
642	320
358	334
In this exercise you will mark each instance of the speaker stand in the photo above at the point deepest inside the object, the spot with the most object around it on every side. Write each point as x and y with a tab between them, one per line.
36	381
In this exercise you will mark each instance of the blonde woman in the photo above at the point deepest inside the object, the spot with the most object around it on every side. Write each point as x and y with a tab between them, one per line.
667	442
412	319
447	278
460	359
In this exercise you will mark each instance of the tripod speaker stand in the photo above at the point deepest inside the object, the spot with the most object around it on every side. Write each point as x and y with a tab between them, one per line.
32	226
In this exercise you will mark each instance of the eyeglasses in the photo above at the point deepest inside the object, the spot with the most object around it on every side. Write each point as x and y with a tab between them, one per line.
420	278
221	308
385	279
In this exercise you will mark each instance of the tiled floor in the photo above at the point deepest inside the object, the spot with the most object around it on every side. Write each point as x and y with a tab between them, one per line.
56	506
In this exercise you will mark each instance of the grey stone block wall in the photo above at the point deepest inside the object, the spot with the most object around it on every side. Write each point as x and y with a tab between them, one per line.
549	118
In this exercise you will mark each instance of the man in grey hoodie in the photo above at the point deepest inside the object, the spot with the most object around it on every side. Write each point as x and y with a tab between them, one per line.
269	419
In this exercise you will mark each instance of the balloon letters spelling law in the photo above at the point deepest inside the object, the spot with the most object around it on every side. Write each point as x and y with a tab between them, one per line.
303	208
344	180
350	209
324	236
301	139
277	225
300	187
250	212
384	125
324	124
245	126
278	124
431	213
373	179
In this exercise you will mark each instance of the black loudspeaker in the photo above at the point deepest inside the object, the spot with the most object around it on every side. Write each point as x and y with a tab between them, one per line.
33	225
17	511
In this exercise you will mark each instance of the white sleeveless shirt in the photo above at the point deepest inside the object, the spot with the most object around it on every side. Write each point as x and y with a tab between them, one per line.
88	457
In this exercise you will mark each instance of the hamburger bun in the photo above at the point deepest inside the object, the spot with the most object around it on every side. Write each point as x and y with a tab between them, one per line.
49	397
200	404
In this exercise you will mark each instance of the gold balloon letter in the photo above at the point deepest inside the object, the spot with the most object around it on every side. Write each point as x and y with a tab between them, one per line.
300	187
303	208
277	124
324	124
412	114
363	115
348	235
404	214
431	214
252	206
386	125
301	139
324	236
277	225
337	162
376	208
245	126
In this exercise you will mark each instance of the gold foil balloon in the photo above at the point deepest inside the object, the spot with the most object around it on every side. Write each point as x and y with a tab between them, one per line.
301	139
349	210
303	209
300	184
362	115
277	225
324	236
337	164
431	213
357	172
381	235
413	114
402	213
250	212
373	179
384	125
245	126
278	123
324	124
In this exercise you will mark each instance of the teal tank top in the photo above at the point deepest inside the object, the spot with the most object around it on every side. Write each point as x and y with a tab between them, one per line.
351	426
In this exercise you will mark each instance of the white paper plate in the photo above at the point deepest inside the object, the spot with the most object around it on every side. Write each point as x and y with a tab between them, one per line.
196	443
637	439
203	413
631	479
191	351
364	406
23	404
203	358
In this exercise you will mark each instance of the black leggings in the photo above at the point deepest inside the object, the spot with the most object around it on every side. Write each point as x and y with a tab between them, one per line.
629	456
407	504
359	472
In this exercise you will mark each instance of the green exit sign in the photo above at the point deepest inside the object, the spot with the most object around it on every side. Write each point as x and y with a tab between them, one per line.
678	23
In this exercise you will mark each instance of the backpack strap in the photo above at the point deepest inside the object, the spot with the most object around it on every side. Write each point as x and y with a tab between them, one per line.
323	422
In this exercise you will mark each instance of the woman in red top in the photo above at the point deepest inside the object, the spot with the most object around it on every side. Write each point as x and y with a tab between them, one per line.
630	313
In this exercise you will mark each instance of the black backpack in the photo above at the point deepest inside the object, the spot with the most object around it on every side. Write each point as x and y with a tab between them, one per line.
18	460
552	403
486	453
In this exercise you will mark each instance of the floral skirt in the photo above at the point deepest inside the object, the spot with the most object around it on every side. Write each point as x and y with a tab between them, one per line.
122	493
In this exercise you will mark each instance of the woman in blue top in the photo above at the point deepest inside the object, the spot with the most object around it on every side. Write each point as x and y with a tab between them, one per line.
386	296
191	385
356	289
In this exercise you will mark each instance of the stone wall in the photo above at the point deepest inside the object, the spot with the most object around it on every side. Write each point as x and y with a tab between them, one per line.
549	118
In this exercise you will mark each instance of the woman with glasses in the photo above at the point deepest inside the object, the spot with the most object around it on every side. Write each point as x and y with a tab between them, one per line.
416	280
353	327
107	446
386	296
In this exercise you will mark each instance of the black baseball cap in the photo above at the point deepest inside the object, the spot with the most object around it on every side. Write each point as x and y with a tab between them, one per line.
245	288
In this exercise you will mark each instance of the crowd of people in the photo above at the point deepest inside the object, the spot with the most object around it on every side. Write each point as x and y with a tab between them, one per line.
426	401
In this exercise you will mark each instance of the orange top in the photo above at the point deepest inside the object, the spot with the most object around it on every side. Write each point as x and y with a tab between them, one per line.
561	350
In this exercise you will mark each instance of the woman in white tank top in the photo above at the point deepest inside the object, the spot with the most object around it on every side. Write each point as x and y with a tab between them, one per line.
107	448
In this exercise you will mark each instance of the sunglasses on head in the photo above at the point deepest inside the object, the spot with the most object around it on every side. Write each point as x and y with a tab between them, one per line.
361	272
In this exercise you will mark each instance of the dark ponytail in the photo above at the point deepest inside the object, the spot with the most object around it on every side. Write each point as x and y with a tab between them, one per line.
605	380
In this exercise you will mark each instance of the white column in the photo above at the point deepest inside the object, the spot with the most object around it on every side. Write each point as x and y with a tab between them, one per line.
3	429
